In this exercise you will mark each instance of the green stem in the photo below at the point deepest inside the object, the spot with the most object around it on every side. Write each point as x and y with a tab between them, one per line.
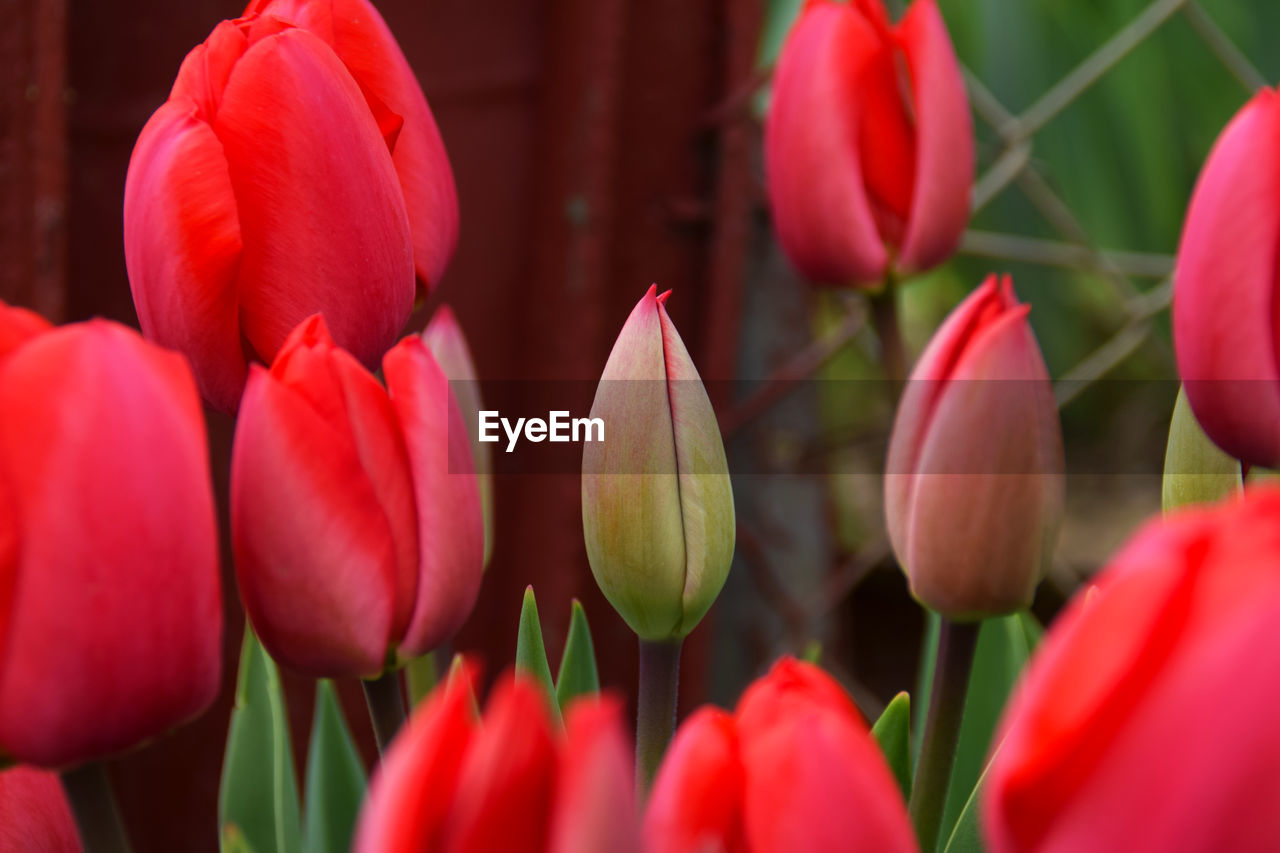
956	643
884	316
386	707
94	807
656	718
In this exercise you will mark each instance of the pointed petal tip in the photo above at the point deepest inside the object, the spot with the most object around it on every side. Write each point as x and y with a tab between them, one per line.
662	297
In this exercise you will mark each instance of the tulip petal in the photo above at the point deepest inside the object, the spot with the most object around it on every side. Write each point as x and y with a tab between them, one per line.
364	43
990	463
594	803
344	393
34	815
315	555
631	516
412	791
1225	309
812	163
102	446
321	212
182	247
17	326
706	495
450	523
503	797
816	781
696	801
789	686
944	141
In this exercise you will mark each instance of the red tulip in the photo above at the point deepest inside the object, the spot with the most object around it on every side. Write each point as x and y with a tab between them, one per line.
109	583
264	190
868	142
1225	327
355	518
974	475
1146	720
507	782
34	815
794	768
364	43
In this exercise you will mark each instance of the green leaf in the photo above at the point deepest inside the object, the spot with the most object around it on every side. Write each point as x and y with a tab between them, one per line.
967	835
812	652
1195	470
456	669
531	654
422	676
1002	652
258	799
924	681
893	732
335	777
578	674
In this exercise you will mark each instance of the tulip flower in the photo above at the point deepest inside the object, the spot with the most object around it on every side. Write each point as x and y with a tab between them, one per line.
355	517
281	179
868	143
974	475
109	585
793	768
657	507
1146	718
34	815
505	782
444	338
1225	329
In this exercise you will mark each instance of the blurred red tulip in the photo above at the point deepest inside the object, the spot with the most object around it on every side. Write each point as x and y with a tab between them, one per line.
868	142
364	43
508	782
794	768
259	197
1146	720
448	344
1225	327
34	815
974	474
355	516
109	585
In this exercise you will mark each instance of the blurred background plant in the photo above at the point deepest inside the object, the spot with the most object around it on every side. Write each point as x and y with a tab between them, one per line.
600	145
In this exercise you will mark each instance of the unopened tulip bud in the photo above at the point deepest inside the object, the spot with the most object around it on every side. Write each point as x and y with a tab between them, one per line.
868	143
657	506
974	480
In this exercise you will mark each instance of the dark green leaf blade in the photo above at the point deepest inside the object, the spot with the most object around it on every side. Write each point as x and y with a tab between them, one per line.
578	674
893	732
258	798
336	777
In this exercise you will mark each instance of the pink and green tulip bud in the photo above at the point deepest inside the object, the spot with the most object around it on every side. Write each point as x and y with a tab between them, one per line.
657	506
974	477
448	344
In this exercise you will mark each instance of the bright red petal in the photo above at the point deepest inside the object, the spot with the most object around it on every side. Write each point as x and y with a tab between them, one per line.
696	801
102	448
595	801
34	815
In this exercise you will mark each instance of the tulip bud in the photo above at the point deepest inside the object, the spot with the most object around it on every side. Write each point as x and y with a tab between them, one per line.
657	504
444	338
270	144
974	475
1146	718
355	518
509	781
868	142
793	768
34	814
109	585
1225	328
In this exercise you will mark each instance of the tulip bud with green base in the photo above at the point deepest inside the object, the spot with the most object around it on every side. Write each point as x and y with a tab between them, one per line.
657	505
